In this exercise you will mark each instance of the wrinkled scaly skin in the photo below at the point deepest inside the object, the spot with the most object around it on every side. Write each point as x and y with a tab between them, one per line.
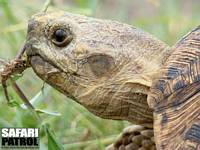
108	67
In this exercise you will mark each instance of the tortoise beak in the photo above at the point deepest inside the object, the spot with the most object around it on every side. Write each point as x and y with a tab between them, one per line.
30	49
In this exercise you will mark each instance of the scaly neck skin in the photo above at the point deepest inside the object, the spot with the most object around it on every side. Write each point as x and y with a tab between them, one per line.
147	55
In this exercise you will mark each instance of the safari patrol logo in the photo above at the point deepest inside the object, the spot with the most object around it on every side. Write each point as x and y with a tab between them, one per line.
22	138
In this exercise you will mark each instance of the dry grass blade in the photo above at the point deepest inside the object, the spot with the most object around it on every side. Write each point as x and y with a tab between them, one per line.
22	95
18	65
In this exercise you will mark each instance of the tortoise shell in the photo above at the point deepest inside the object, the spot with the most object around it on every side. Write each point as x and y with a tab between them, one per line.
175	97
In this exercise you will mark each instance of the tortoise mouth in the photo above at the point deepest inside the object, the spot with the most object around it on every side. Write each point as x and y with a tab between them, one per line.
37	60
50	74
41	66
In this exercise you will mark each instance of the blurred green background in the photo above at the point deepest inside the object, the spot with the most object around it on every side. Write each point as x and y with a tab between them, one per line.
76	128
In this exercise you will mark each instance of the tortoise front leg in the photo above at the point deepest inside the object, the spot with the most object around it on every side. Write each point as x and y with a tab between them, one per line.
134	137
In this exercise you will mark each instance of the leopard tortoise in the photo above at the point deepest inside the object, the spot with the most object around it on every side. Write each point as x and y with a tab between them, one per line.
120	72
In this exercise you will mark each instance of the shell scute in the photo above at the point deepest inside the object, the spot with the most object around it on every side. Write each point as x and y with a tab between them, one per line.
180	70
175	97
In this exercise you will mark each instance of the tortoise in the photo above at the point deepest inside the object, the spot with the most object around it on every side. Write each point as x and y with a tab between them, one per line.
120	72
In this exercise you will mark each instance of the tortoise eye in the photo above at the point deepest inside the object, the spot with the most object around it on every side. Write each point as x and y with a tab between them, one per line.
61	37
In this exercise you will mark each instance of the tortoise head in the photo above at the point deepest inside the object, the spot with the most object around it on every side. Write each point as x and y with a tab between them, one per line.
104	65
